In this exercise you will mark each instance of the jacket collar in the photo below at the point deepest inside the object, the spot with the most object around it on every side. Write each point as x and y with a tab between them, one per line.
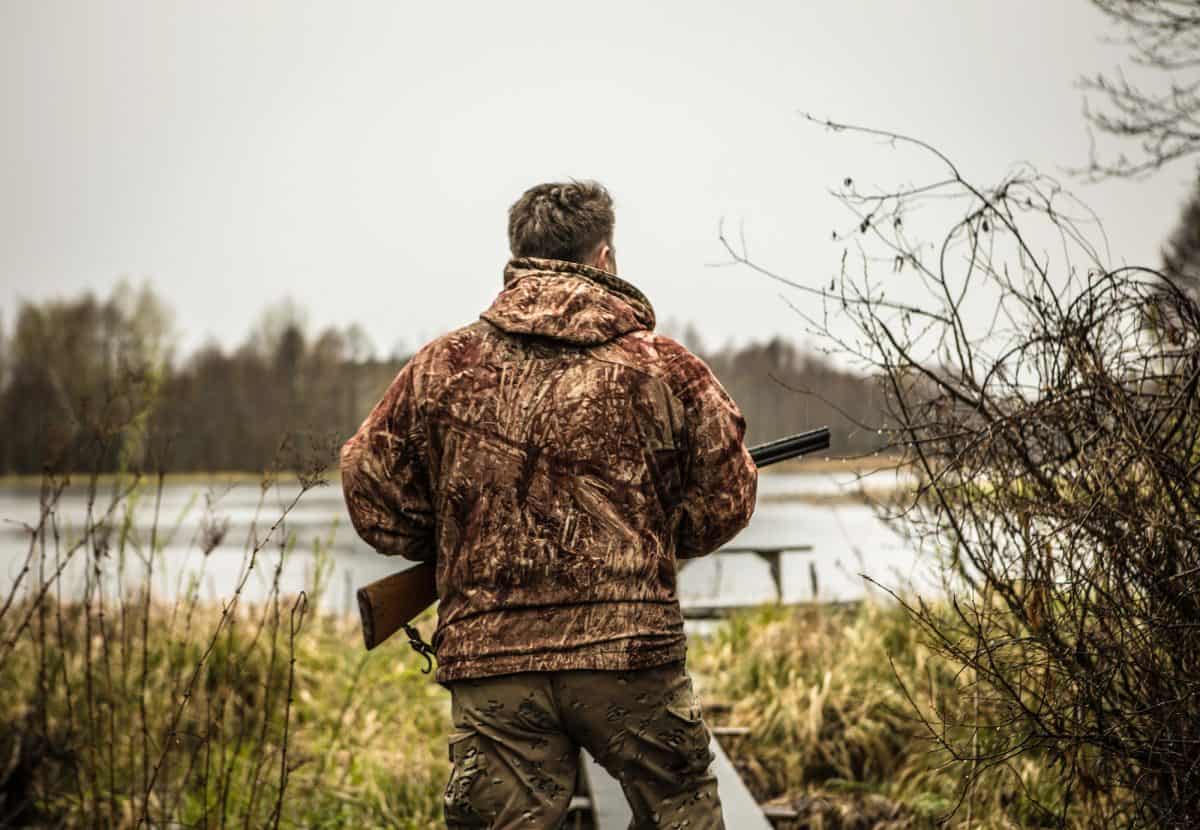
568	301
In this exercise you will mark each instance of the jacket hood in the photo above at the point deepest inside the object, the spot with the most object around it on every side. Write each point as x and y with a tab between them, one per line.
567	301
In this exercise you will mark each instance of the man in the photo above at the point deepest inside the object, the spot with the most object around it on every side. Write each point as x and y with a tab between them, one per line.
555	458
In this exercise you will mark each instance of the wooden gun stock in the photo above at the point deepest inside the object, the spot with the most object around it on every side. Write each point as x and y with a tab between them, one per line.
389	604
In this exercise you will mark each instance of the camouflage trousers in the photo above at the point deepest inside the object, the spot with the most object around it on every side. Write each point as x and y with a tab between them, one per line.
515	748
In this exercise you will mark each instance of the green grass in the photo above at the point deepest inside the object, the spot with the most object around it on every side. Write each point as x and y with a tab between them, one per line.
366	732
832	731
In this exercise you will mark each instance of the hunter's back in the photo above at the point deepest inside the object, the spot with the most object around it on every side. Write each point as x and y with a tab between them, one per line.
560	438
552	460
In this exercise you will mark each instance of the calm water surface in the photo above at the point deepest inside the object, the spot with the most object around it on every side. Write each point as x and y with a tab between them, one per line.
846	539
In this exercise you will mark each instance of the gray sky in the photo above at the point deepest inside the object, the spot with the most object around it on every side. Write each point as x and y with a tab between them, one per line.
360	157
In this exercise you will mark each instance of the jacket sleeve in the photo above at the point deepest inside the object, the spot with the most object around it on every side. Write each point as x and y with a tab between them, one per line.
721	480
385	476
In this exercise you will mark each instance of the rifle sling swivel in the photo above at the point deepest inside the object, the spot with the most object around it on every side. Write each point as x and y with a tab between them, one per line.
420	647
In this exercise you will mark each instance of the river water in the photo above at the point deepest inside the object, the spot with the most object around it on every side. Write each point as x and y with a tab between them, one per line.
795	509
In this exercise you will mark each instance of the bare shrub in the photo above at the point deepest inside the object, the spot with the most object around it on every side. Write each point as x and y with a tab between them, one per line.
1050	406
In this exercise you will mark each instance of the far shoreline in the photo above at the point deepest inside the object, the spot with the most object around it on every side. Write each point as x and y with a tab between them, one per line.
857	464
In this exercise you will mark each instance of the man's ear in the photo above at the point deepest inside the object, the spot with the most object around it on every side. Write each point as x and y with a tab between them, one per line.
603	257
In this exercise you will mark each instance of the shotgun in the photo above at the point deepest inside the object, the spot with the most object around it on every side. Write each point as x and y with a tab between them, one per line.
391	603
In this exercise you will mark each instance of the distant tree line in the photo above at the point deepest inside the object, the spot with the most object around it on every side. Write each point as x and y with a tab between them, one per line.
76	373
783	389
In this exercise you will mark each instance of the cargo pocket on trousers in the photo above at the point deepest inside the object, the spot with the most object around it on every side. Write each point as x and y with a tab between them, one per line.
468	770
690	737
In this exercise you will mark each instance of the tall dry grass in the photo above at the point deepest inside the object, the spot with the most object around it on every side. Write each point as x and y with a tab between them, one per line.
838	701
122	709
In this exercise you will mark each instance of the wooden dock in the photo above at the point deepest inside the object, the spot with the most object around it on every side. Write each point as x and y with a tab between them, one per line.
773	556
610	810
600	803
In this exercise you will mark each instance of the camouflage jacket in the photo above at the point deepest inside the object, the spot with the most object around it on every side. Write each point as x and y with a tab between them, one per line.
554	458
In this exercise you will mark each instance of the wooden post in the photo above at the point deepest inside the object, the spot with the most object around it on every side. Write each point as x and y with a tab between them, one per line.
775	563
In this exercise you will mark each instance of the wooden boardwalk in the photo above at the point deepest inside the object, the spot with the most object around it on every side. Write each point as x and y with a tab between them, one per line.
773	556
610	810
605	801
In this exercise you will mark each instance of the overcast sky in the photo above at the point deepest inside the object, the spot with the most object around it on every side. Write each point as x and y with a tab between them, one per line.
360	157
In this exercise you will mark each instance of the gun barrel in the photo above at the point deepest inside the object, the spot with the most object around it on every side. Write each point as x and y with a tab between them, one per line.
794	445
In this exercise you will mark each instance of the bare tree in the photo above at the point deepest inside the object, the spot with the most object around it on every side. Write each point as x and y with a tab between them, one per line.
1163	119
1050	406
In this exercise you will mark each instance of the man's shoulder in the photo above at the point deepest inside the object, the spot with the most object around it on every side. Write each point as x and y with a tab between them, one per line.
661	355
651	347
451	347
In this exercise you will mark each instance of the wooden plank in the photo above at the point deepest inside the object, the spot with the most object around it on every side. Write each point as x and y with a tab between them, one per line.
724	610
737	802
610	810
780	812
771	554
765	549
579	804
761	550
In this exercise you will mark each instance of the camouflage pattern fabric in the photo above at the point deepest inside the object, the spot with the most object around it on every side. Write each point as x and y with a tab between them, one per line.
515	749
553	458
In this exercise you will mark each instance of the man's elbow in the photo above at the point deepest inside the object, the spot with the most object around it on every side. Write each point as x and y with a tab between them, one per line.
695	546
719	528
723	517
390	543
349	461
